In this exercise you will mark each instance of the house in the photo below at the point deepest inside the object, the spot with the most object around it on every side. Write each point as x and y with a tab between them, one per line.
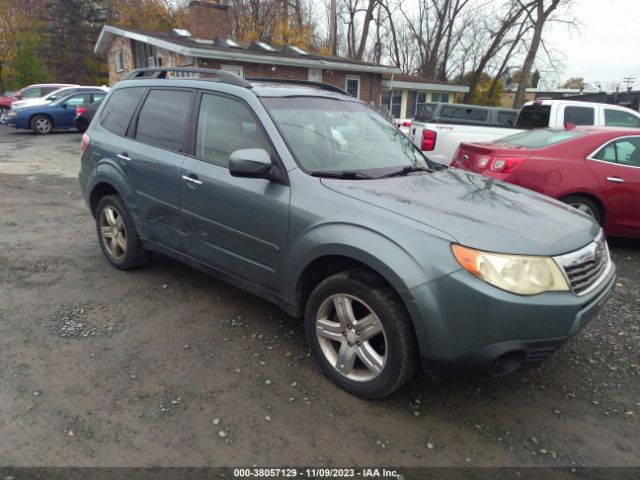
207	44
403	94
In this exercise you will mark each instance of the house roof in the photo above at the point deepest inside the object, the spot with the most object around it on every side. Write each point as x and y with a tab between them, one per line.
206	49
404	81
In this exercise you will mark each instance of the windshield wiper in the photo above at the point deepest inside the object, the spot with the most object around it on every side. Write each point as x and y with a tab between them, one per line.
345	175
407	170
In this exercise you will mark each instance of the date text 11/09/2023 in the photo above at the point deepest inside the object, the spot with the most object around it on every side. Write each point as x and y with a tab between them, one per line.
373	473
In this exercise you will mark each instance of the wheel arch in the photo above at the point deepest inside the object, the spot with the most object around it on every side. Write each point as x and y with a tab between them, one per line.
53	123
600	203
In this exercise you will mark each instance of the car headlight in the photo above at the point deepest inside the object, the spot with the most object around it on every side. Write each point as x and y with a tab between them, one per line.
12	114
518	274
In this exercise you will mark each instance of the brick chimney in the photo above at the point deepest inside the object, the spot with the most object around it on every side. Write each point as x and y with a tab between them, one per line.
209	19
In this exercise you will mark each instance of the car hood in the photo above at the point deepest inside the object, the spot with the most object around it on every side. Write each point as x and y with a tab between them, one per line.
478	211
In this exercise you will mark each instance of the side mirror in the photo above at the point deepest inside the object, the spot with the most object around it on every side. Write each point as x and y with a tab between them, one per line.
64	105
17	96
250	163
53	98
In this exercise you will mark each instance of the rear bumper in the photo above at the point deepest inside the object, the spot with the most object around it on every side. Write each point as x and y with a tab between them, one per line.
486	330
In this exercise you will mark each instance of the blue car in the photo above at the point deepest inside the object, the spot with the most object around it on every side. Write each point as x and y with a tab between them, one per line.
58	115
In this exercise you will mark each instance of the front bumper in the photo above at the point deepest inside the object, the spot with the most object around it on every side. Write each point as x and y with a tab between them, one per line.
466	325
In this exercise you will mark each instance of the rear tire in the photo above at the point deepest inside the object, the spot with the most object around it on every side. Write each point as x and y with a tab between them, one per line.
360	333
117	234
585	205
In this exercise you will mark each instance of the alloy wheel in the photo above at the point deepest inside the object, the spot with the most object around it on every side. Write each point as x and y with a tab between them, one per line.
113	232
584	208
42	125
351	337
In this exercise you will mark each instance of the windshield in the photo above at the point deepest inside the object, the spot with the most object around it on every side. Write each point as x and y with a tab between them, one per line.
327	135
539	138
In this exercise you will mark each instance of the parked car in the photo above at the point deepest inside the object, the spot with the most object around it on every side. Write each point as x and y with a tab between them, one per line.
55	95
595	169
439	130
394	261
32	91
58	115
558	113
85	114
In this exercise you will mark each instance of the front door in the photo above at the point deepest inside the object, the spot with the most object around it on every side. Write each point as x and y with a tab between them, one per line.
617	168
237	225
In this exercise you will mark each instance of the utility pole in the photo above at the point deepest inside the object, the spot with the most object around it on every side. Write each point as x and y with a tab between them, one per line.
333	28
629	81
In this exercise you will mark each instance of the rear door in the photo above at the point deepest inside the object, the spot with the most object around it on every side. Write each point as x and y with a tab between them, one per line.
151	156
237	225
617	167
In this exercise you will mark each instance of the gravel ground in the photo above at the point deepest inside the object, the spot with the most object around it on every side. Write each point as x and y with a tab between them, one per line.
167	366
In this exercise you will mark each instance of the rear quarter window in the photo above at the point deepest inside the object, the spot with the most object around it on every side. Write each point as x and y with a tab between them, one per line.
117	113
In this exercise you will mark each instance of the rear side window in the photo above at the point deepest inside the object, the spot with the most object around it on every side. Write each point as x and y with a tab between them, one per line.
116	115
620	118
539	138
226	125
507	118
464	113
534	116
625	152
579	115
163	118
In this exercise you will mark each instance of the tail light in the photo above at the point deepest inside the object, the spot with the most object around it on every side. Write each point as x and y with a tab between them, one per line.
406	123
428	140
84	143
506	164
484	161
80	111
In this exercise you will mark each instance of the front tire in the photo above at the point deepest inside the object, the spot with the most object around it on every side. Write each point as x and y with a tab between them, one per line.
360	333
117	234
41	124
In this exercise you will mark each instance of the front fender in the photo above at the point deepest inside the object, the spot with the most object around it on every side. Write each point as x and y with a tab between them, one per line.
382	254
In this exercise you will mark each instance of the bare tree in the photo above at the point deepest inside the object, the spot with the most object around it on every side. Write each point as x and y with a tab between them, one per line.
538	13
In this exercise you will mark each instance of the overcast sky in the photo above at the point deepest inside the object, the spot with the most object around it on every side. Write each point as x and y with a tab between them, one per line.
607	47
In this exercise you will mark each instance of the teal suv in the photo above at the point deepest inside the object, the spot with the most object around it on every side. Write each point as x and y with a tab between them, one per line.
311	199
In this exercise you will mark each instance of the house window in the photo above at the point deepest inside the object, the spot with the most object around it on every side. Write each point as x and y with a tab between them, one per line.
440	97
142	53
353	86
235	69
392	100
119	60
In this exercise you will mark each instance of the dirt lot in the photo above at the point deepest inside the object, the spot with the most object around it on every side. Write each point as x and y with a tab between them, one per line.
166	366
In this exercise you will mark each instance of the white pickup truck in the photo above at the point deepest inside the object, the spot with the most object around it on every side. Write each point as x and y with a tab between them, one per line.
439	132
438	129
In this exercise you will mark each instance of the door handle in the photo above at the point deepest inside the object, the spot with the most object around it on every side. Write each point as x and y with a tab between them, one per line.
123	156
192	179
615	179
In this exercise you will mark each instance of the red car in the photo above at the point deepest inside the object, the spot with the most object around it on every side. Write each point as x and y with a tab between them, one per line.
595	169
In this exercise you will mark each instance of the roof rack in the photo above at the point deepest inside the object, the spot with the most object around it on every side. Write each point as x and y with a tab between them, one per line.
320	85
161	72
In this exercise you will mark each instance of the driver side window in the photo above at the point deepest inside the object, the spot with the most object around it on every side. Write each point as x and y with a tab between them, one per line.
226	125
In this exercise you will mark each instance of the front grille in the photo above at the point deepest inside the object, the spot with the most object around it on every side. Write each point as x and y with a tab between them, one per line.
583	275
586	267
